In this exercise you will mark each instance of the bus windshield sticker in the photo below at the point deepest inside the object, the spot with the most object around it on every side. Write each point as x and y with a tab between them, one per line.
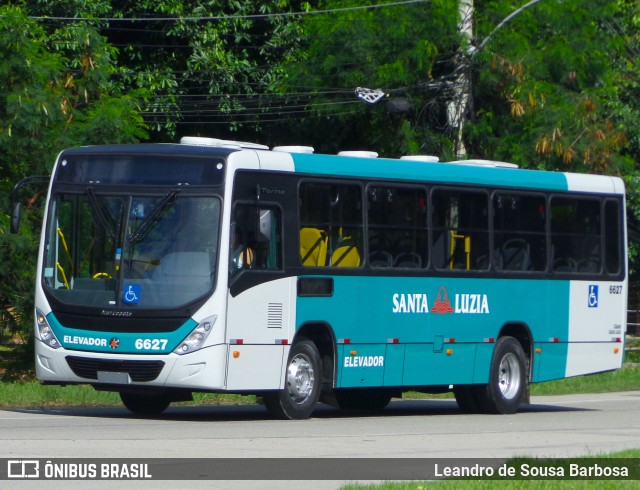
593	295
131	294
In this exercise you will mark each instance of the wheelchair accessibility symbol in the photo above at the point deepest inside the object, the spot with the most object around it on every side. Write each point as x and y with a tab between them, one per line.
131	294
593	296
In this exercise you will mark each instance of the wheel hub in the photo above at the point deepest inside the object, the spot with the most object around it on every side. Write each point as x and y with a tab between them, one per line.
509	376
300	378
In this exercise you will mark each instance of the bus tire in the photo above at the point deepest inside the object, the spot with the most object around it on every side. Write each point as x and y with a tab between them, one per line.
366	400
507	379
303	383
467	398
141	404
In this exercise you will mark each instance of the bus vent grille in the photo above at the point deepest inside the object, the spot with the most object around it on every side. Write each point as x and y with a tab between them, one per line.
274	315
138	370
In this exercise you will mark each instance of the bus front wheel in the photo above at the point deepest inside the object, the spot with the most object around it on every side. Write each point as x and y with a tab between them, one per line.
145	404
507	379
302	384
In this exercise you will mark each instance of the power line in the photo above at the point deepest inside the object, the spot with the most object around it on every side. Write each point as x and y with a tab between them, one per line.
277	109
230	120
231	17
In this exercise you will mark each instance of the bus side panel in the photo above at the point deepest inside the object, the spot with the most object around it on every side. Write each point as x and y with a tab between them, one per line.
444	324
597	325
263	314
449	325
256	367
551	341
484	353
394	365
593	357
454	364
550	361
419	364
597	311
362	365
259	330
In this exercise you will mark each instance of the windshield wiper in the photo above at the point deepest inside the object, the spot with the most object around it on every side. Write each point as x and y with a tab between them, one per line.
104	221
153	217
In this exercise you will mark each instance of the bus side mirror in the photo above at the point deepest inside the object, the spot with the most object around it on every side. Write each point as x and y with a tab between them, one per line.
15	217
264	224
39	180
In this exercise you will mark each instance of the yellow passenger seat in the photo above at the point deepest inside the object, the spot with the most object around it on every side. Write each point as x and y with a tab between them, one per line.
313	247
346	256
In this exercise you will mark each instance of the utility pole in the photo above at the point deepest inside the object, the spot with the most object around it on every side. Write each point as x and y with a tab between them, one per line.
457	106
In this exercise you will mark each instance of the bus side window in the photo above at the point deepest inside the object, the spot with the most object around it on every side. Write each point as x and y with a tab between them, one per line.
460	229
576	234
255	238
397	226
331	225
519	231
612	236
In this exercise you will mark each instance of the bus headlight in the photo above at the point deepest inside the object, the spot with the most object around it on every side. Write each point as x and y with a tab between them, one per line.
198	335
45	332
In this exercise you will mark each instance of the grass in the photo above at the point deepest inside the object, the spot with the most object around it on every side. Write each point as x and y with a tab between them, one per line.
30	393
509	484
18	388
625	379
25	392
501	484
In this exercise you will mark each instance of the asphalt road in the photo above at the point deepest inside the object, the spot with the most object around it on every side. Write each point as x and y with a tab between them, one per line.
560	426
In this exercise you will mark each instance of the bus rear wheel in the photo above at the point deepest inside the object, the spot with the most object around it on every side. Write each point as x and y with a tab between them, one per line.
507	379
303	381
142	404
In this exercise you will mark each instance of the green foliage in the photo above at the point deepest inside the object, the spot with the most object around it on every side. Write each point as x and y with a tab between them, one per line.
543	88
16	286
397	49
555	88
203	71
55	91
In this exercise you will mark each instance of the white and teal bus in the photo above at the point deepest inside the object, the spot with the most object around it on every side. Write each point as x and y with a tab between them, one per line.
217	266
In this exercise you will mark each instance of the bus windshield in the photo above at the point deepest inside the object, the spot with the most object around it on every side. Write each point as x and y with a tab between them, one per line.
138	251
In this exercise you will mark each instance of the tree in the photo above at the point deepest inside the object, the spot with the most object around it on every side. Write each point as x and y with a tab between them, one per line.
49	99
622	102
541	87
554	88
557	89
398	48
204	64
90	78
